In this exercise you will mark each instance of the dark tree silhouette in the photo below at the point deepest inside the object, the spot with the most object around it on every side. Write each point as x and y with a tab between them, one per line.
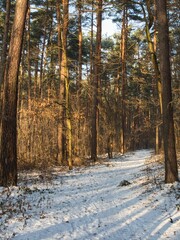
171	169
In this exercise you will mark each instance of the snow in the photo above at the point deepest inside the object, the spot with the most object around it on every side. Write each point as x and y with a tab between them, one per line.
92	203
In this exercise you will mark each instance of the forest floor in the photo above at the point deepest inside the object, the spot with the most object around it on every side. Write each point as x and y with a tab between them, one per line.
123	198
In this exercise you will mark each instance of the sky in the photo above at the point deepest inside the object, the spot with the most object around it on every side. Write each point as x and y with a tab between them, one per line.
109	28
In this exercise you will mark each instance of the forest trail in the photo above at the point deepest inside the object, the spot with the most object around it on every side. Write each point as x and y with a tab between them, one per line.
94	203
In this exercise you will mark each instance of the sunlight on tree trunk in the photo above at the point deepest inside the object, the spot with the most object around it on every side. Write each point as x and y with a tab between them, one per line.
9	110
124	80
60	130
65	79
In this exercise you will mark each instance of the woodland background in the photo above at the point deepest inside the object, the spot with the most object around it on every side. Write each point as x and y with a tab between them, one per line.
117	75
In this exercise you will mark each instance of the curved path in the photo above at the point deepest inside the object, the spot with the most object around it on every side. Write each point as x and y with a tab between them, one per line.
90	204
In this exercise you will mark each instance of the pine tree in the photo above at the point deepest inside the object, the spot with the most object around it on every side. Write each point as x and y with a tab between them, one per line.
9	108
171	169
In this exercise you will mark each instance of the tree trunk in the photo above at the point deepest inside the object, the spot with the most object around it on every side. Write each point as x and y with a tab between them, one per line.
171	169
29	58
96	84
152	50
4	55
78	86
123	71
91	81
40	80
5	41
79	43
9	110
61	139
65	80
153	53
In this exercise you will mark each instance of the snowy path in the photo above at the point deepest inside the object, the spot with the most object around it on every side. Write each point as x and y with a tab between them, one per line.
90	204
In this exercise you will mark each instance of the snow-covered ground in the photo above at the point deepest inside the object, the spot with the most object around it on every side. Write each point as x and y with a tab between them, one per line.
94	203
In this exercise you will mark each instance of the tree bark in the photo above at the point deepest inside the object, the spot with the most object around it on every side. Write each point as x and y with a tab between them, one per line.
80	38
152	50
65	80
96	84
153	54
61	138
29	57
4	54
171	169
123	72
5	41
9	109
79	79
